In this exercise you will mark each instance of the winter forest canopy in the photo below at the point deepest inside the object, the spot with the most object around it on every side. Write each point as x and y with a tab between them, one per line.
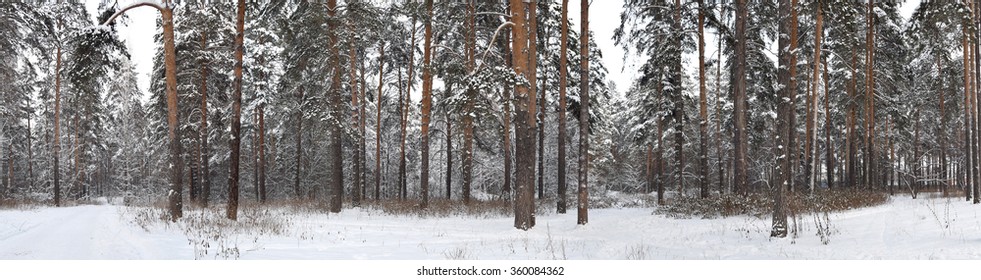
346	103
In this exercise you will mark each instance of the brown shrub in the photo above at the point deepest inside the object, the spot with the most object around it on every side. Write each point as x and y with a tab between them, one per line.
761	205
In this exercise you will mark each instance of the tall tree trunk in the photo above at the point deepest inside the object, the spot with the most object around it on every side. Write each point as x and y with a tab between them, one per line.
205	155
741	138
524	203
976	62
170	64
262	153
850	157
562	203
942	132
57	125
582	216
539	118
355	114
793	96
363	132
233	173
969	127
659	155
870	169
335	146
829	146
506	189
449	145
718	110
427	103
468	110
678	100
255	153
30	154
378	118
971	90
811	103
915	182
703	173
261	112
403	180
785	111
299	144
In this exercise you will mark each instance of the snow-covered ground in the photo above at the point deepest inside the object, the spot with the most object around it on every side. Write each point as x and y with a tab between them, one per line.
901	229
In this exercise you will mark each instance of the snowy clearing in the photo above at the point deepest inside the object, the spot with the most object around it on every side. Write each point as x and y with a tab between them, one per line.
904	228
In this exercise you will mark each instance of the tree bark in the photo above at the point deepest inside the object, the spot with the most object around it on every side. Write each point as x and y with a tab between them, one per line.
850	157
524	203
468	111
829	146
659	155
582	216
56	149
355	114
170	68
335	147
718	111
539	118
299	143
233	175
811	126
976	62
378	118
562	203
678	100
740	139
200	196
942	130
403	181
784	140
449	145
870	164
427	103
703	173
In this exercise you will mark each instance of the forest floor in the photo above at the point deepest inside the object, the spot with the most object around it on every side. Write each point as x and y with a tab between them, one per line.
903	228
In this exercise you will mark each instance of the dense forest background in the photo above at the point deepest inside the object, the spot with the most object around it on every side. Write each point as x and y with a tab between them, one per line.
357	101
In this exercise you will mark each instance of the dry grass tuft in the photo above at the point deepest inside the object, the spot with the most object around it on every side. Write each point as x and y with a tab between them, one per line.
761	205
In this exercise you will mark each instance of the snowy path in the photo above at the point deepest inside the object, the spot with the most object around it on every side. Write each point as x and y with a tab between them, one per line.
902	229
83	232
